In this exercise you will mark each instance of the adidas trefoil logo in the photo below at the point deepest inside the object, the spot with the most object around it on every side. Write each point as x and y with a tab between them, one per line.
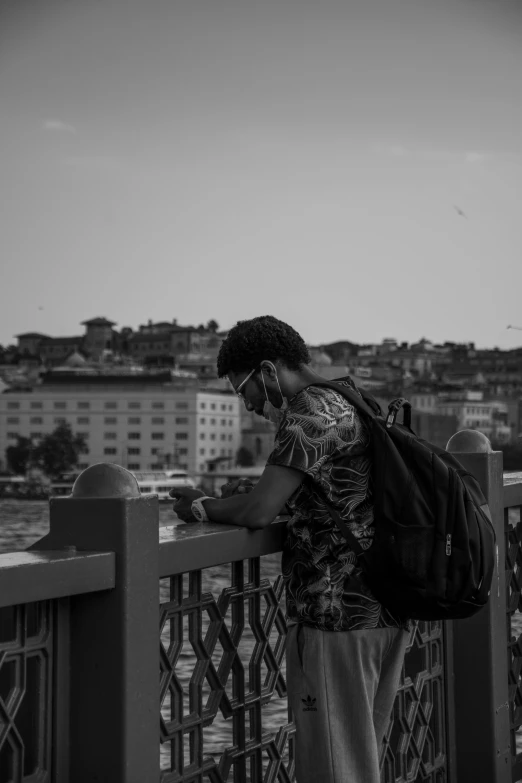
309	704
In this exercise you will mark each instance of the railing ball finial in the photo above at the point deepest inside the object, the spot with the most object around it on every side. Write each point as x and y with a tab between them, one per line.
106	480
469	442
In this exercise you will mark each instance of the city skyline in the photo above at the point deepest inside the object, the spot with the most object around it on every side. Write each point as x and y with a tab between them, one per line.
311	343
353	169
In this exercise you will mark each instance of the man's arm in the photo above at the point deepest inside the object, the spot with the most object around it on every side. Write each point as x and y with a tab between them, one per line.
258	508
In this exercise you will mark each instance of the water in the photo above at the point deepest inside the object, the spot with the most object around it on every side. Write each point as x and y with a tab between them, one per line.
22	523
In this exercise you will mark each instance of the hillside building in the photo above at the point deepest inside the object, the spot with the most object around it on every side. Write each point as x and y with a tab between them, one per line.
139	420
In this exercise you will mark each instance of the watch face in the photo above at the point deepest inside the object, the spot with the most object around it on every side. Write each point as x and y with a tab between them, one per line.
197	511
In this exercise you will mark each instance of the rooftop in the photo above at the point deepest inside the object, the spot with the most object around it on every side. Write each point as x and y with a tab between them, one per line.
98	322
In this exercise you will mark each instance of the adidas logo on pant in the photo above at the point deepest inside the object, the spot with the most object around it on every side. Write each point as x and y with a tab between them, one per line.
309	704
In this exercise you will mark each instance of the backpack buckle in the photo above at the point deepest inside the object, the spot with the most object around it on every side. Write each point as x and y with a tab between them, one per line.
390	419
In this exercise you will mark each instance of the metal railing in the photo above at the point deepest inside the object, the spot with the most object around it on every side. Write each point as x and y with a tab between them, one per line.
512	506
80	696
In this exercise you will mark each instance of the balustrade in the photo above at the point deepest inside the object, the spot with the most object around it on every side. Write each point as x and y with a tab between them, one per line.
128	657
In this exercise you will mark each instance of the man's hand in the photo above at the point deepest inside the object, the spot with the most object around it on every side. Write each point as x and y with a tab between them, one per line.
184	497
241	486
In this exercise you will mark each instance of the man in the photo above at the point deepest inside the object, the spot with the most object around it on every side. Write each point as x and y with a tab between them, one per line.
344	650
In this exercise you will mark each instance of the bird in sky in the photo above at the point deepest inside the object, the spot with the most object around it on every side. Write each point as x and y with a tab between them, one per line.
460	212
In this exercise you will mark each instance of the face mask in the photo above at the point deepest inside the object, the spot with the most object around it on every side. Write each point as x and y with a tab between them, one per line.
270	411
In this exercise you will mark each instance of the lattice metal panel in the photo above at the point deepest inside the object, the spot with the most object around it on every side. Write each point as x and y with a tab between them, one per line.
513	538
25	693
223	691
415	743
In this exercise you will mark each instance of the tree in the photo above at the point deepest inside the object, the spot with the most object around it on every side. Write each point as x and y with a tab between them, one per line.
212	325
59	451
244	457
19	456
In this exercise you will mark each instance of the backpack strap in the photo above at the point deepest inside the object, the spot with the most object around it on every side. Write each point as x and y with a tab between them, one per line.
347	533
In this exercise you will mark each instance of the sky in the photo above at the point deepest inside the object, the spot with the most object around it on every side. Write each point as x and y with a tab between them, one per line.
352	167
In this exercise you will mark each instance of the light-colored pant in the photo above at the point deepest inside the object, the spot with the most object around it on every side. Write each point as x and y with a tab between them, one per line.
341	688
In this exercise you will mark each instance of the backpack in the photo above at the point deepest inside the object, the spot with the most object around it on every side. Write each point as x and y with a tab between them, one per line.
433	552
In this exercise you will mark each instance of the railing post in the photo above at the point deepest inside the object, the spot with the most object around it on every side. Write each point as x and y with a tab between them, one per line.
483	753
114	635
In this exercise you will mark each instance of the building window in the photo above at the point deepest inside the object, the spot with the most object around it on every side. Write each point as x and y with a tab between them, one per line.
203	420
202	466
158	420
110	420
133	466
35	420
110	451
230	407
212	451
203	405
230	437
202	436
83	406
181	435
223	407
133	451
84	435
134	436
134	406
223	452
12	435
60	406
202	452
134	420
212	421
154	452
230	422
59	421
109	436
212	436
35	435
82	420
223	436
223	422
230	452
182	406
36	406
182	452
110	406
212	406
157	436
158	406
13	406
16	420
181	420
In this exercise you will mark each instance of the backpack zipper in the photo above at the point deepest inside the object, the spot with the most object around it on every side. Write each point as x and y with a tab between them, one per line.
448	544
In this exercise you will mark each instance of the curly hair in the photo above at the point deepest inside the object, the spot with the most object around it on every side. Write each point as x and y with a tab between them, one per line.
250	342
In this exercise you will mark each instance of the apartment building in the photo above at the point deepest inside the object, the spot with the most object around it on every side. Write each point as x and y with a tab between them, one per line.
141	421
488	417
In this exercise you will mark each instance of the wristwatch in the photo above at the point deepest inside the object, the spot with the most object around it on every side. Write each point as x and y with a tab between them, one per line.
198	509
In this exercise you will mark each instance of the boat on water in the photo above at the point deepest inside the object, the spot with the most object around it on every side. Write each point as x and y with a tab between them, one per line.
150	482
20	488
161	482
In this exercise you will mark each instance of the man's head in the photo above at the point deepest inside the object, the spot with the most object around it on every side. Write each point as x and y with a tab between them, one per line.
268	350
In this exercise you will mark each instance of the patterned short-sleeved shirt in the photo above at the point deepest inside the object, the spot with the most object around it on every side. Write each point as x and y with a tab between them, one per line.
323	436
